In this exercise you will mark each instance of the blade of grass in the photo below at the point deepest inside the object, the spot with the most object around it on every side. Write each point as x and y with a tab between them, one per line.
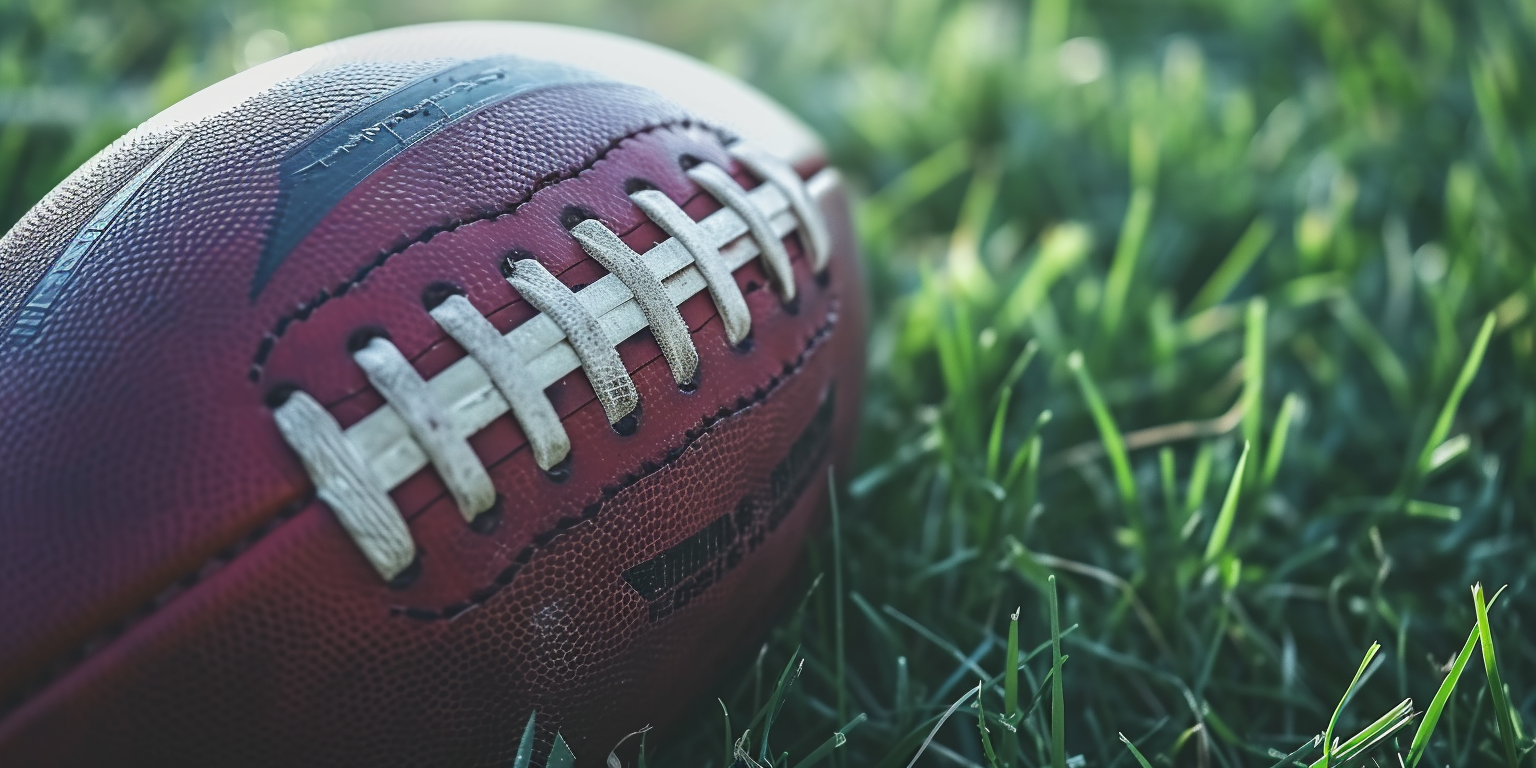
965	269
1495	681
1114	442
1353	752
1300	752
1039	697
1026	461
1394	719
1380	354
1011	714
560	755
1328	749
1021	363
1447	452
940	724
995	437
933	637
834	741
1117	286
1058	716
1011	674
730	750
1199	479
1464	379
1167	469
770	711
1253	373
981	728
1136	753
1443	695
919	181
1061	249
1223	528
1277	439
1237	263
525	744
1418	508
837	598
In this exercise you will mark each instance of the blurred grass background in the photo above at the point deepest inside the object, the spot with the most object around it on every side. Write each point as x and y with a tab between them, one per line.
1110	242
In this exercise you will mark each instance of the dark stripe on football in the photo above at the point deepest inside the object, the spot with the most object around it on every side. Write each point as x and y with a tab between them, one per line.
39	304
320	172
670	580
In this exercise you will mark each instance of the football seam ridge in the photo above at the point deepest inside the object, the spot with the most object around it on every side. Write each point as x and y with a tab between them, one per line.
547	538
305	309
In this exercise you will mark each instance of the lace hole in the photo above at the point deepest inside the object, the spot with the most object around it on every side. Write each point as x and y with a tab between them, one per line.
629	424
745	345
362	337
792	307
824	278
634	185
572	215
435	294
560	472
690	386
404	579
513	256
489	520
279	394
688	161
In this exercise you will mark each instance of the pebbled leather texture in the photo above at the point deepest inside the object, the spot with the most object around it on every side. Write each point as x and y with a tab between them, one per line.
177	596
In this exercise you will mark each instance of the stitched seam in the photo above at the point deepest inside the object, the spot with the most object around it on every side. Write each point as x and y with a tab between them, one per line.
589	512
302	313
87	648
383	440
65	663
523	446
442	338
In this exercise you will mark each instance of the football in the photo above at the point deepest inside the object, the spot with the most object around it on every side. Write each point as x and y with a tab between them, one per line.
386	397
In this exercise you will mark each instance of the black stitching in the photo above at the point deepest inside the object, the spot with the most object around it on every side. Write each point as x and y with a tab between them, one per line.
303	311
518	254
543	540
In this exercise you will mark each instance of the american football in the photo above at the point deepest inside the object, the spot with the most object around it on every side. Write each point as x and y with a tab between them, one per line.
399	395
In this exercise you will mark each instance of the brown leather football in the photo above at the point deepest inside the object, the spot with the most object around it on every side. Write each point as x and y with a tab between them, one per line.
379	398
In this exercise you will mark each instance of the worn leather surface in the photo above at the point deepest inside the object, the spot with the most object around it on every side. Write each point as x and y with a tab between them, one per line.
174	595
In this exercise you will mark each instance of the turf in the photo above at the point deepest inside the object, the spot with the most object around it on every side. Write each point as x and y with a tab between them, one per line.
1202	345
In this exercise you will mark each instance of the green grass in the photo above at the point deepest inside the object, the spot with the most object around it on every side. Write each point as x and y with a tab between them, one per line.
1109	245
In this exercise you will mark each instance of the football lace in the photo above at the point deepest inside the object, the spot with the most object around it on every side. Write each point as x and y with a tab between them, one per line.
430	421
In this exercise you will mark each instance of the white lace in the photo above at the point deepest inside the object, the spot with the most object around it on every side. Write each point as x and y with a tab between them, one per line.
597	351
344	481
429	421
718	183
509	372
